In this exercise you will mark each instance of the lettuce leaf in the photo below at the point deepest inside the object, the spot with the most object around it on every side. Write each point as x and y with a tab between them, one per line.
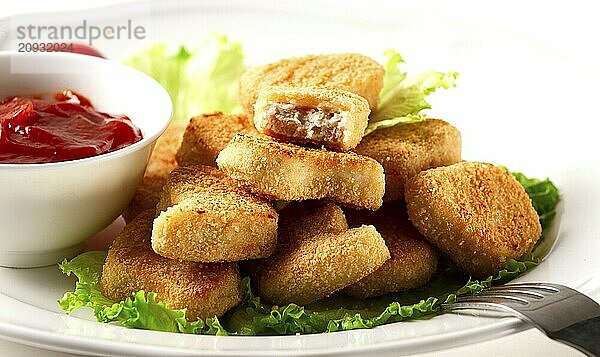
255	317
259	318
403	97
513	269
336	313
198	80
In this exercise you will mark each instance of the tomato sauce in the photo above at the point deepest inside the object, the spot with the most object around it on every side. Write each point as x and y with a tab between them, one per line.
67	127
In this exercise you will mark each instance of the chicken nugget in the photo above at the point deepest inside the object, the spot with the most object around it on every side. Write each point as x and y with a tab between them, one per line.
405	150
476	213
203	216
317	255
293	173
352	72
330	117
161	163
413	260
205	290
207	134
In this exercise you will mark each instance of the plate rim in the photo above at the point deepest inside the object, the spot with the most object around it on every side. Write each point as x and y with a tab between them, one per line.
23	334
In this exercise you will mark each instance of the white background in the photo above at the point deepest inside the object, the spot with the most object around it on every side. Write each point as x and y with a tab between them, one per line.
573	26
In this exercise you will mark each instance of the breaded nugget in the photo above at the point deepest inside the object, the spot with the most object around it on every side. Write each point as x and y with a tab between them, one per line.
330	117
405	150
205	290
146	196
477	213
161	163
353	72
317	255
289	172
413	260
207	134
203	216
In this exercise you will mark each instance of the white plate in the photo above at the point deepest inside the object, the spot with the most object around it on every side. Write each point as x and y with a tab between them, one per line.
520	102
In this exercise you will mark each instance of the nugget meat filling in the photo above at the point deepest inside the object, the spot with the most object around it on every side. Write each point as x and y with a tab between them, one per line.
313	124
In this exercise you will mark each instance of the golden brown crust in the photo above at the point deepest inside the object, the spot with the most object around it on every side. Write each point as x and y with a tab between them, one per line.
205	290
317	255
161	163
207	134
349	71
203	216
289	172
405	150
413	260
353	108
476	213
185	182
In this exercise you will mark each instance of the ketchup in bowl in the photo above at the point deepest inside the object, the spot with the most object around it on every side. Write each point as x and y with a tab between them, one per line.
66	128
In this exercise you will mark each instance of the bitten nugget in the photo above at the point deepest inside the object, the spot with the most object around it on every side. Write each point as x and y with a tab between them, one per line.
329	117
203	216
207	134
352	72
317	255
205	290
405	150
289	172
476	213
413	260
161	163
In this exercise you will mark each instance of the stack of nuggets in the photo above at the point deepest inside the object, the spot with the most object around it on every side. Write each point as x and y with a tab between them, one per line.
205	290
185	249
315	100
317	255
199	223
324	100
301	139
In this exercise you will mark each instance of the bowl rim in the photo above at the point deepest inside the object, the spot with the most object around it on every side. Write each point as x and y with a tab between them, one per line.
151	84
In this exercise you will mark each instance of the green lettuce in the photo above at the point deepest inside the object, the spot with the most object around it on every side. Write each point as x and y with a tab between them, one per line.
198	80
403	97
335	313
255	317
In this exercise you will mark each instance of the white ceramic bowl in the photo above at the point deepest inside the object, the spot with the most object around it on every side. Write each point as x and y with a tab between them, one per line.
47	211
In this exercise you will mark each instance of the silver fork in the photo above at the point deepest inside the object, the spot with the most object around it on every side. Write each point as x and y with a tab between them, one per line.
562	313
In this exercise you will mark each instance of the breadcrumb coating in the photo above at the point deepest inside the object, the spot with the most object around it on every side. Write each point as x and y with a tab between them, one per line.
205	290
413	260
161	163
293	173
405	150
203	216
476	213
207	134
352	72
317	255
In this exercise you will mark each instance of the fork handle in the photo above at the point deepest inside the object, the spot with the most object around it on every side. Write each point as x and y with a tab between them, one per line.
584	336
